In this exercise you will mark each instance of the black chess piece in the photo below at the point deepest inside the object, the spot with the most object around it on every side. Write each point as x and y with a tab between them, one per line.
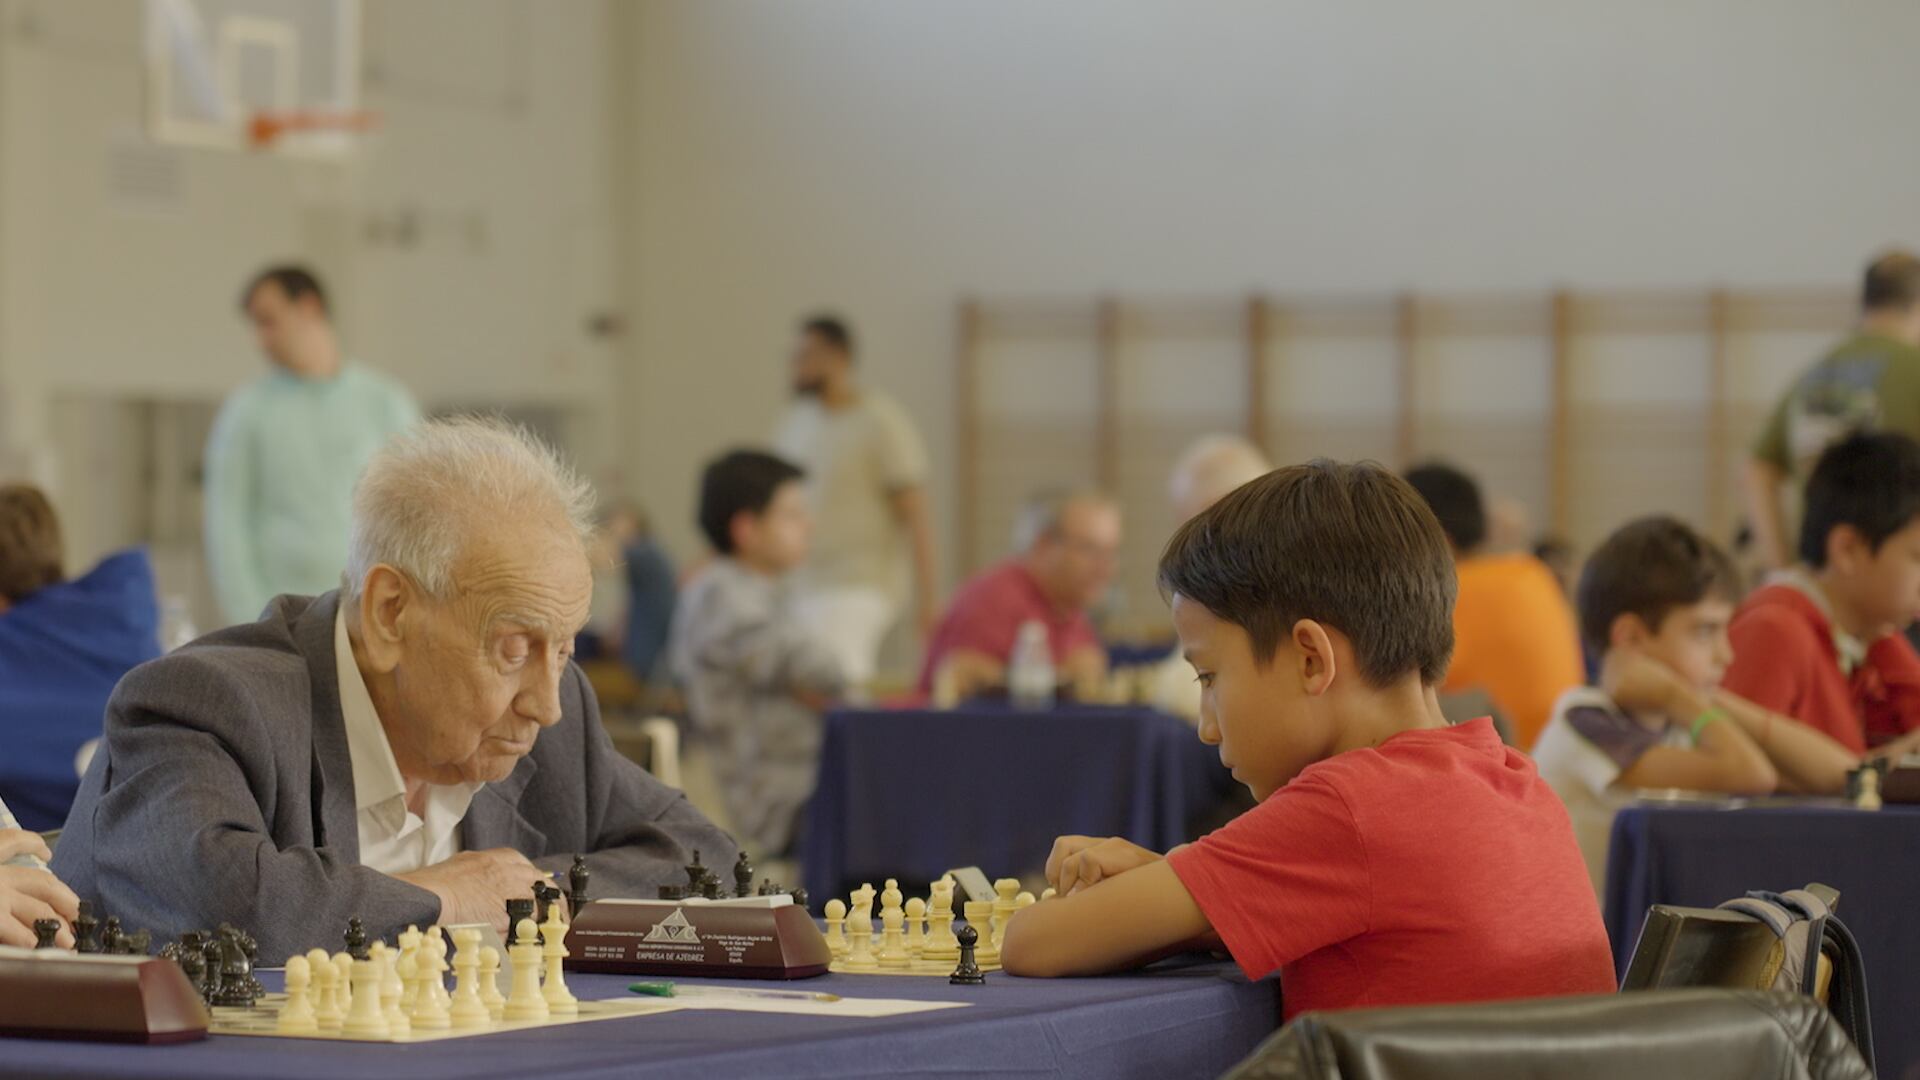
517	909
356	938
110	936
696	873
673	892
236	976
194	965
578	878
968	973
85	926
544	895
137	943
45	933
212	959
742	876
799	897
710	887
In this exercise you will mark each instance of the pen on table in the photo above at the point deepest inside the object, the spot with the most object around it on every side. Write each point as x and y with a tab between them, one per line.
667	989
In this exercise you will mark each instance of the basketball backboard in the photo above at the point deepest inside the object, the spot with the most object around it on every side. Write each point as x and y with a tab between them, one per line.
272	75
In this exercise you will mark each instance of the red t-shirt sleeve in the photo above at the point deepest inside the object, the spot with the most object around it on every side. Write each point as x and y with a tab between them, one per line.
986	621
1771	647
1898	665
1282	880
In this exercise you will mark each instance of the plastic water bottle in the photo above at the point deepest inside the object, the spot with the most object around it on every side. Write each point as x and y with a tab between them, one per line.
1030	675
176	626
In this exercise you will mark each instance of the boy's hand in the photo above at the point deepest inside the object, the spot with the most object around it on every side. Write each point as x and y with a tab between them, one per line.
1638	683
1080	861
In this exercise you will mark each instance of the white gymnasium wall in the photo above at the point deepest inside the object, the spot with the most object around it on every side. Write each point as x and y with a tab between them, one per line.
467	251
887	158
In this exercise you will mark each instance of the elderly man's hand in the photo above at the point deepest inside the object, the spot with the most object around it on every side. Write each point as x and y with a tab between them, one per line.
28	893
474	886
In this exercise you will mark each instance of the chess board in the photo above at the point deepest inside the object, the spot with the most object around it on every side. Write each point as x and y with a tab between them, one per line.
263	1020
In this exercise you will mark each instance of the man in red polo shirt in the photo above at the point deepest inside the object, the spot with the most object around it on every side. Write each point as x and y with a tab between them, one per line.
1069	544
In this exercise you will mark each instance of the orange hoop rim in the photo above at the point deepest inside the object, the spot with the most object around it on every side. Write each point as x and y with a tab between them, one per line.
268	125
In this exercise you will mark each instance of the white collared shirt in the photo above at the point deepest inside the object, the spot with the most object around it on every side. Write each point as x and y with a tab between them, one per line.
1851	651
393	839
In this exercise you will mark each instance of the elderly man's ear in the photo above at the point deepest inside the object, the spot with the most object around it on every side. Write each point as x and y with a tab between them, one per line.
388	608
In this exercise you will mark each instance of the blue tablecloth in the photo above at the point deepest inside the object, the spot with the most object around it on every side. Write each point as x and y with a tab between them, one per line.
1699	857
1174	1021
910	794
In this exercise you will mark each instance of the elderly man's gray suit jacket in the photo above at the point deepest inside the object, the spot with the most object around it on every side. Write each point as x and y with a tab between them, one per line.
223	792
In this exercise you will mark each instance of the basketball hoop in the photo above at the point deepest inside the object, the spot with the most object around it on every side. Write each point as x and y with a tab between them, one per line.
268	126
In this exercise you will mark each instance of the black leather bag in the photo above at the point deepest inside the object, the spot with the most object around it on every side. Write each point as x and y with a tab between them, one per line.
1657	1035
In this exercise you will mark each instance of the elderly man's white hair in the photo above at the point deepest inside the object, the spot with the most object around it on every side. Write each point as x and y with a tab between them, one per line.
1040	515
435	485
1211	467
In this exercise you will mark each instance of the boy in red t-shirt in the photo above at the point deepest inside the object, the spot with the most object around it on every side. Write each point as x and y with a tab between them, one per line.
1821	642
1392	859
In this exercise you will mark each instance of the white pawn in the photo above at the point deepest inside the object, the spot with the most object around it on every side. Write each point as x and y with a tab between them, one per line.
837	928
916	927
490	983
979	915
1023	901
1869	796
429	972
1048	894
390	989
343	982
893	943
1003	907
326	1012
468	1010
560	1000
366	1019
525	1002
296	1017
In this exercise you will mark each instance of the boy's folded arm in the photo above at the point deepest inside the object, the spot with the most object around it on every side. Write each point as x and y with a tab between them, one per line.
1809	760
1726	760
1125	921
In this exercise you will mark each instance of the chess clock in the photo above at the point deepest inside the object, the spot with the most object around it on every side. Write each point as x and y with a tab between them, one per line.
752	937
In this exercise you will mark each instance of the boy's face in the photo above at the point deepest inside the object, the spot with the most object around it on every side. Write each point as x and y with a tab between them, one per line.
778	539
1266	725
1882	586
1692	640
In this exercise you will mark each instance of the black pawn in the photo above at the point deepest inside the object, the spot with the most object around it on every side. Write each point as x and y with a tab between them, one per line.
110	936
356	938
84	929
578	878
968	973
799	898
45	933
742	876
710	887
137	943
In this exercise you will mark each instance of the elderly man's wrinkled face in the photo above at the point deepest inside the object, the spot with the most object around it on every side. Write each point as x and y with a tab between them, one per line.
477	676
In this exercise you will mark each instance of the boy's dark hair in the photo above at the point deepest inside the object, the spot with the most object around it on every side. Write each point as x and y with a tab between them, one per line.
740	480
1647	568
1455	500
30	544
831	329
1348	545
1869	480
296	281
1892	283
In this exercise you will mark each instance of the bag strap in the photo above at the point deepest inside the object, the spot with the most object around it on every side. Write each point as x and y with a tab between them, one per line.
1847	996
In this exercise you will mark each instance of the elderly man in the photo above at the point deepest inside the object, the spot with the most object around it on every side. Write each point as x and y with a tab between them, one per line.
414	748
1068	546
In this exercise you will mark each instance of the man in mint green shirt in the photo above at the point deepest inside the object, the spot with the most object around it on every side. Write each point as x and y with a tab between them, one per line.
1871	382
287	448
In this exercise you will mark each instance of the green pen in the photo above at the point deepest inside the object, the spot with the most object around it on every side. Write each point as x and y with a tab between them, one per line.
667	989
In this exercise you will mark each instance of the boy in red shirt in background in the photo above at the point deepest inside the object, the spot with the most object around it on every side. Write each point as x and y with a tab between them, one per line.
1821	643
1392	859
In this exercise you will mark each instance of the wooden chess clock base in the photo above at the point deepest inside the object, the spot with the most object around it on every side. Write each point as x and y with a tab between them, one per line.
54	994
755	937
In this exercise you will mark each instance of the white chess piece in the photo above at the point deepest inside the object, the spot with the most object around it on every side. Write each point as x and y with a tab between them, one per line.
860	955
837	928
365	1018
468	1010
916	927
560	1000
490	995
343	982
941	943
1048	894
525	1001
408	968
326	1011
980	916
430	974
893	943
387	959
1869	797
890	897
1003	907
296	1017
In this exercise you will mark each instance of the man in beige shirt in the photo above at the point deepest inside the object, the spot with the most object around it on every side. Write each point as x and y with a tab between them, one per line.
866	480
